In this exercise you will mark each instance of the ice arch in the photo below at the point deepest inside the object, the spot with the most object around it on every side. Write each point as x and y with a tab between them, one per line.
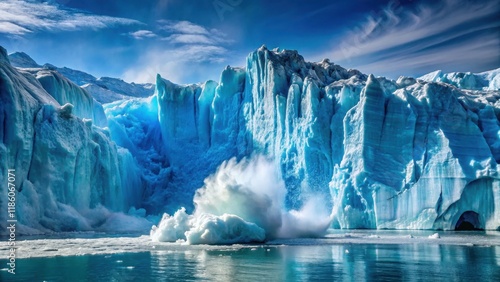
469	220
475	205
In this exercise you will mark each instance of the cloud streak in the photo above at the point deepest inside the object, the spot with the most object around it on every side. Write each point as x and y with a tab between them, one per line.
450	34
180	65
142	34
22	17
183	27
185	32
187	52
189	39
178	50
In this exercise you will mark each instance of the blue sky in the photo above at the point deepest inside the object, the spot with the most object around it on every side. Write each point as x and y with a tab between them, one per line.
191	41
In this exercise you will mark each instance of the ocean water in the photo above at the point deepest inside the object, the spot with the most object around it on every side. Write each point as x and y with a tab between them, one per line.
337	259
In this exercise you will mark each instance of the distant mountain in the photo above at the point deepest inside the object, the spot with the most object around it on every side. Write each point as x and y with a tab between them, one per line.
78	77
129	89
104	89
22	60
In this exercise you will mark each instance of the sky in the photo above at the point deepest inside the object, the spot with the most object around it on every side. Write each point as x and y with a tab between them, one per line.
190	41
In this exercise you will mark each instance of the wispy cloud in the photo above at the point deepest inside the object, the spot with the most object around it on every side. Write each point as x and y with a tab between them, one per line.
200	53
184	32
181	65
188	51
22	17
182	27
141	34
12	28
448	35
189	39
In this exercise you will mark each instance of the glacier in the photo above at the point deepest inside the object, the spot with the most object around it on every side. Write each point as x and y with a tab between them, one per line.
69	175
488	80
280	148
404	154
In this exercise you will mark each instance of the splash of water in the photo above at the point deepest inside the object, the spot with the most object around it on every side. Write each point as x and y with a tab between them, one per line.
243	202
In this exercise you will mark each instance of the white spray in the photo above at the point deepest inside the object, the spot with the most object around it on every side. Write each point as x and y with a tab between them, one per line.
243	202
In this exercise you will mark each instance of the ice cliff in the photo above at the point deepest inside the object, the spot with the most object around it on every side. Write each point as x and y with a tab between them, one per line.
69	175
389	154
373	152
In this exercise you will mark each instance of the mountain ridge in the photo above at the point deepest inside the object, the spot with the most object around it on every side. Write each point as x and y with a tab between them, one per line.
104	89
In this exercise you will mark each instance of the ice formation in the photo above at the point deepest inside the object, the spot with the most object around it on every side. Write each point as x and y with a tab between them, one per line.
488	80
64	91
377	153
392	154
69	174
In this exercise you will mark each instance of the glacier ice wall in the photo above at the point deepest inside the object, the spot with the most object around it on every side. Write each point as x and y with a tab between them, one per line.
201	117
412	153
69	174
134	126
409	157
389	154
280	106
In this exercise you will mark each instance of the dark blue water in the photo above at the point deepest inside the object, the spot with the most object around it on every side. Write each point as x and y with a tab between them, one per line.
350	262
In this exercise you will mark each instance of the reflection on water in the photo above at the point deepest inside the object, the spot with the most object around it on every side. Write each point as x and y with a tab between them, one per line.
354	262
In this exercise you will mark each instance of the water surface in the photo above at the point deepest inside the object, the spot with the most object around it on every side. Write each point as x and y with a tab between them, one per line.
339	262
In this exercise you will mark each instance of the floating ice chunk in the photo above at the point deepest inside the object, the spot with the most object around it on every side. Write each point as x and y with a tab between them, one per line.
434	236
